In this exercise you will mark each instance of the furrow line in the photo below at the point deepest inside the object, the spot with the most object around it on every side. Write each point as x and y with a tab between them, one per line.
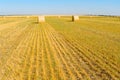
71	54
25	72
103	71
98	61
58	69
26	56
39	55
44	58
63	57
18	42
32	69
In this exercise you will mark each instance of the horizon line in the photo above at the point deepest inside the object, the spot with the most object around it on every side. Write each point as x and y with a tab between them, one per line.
57	15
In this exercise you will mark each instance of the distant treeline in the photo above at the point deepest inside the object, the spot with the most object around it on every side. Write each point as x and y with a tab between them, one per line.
109	15
105	15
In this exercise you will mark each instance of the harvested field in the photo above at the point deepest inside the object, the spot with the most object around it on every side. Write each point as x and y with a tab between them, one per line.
60	49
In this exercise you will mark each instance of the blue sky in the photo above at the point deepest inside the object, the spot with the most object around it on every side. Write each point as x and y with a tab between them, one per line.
102	7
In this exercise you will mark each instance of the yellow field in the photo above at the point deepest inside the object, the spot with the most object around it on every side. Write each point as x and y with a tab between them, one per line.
60	49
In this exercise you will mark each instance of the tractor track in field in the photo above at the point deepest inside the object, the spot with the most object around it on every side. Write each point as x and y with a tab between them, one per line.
65	55
97	65
110	68
98	61
12	61
11	41
111	65
68	51
7	39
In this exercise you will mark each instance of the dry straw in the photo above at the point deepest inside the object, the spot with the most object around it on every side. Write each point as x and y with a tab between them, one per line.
41	18
59	16
75	18
28	16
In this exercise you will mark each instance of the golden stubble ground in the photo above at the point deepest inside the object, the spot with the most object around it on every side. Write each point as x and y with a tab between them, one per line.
60	49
